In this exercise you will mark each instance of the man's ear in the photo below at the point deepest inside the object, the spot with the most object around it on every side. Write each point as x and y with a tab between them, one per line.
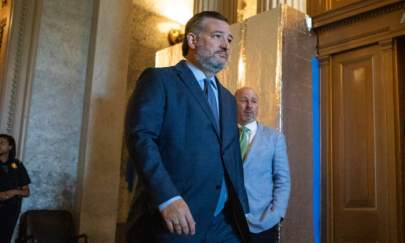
191	40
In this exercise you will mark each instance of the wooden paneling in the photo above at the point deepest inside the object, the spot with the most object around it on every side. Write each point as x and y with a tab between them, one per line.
326	106
362	185
363	119
341	3
331	11
365	29
317	7
399	64
354	192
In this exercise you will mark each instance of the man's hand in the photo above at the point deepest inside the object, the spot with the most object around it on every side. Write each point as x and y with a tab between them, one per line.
3	196
178	218
7	195
13	192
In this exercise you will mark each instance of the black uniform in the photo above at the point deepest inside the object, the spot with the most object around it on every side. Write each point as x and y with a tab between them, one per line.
13	175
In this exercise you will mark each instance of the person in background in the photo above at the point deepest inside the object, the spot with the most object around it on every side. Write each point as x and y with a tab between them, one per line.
14	182
266	170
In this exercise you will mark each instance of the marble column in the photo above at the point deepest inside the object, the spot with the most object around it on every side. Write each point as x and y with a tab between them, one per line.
104	111
55	104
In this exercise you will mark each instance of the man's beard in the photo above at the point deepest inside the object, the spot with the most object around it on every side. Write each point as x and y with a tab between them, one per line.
210	63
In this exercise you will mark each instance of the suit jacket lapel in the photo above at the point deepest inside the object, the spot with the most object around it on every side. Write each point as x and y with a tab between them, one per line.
253	147
227	130
187	77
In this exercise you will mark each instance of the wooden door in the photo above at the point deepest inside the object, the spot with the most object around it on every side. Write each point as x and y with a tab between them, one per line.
400	64
362	195
5	19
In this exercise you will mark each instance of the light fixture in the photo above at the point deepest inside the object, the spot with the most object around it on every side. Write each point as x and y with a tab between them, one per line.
175	36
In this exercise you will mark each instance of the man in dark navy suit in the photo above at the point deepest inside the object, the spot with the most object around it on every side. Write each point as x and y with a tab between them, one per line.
182	135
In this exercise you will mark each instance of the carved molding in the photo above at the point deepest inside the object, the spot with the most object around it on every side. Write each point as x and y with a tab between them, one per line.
3	24
18	74
331	15
365	29
355	37
386	44
360	17
324	59
12	102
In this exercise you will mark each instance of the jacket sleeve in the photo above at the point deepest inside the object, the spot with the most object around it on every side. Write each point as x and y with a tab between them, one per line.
281	177
144	120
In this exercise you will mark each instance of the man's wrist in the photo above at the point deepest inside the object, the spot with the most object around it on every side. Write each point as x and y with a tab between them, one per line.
165	204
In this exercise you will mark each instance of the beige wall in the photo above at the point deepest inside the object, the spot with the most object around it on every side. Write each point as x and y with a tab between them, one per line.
149	26
72	58
102	130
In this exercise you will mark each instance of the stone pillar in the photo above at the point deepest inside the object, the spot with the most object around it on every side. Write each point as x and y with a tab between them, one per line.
55	102
299	46
265	5
104	111
226	7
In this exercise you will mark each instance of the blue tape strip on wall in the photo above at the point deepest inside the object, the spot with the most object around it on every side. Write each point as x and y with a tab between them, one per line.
316	151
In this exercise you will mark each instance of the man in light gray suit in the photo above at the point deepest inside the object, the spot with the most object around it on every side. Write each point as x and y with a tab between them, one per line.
266	170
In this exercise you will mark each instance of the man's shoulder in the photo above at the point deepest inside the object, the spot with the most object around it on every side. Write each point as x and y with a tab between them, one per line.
181	67
268	131
158	74
159	70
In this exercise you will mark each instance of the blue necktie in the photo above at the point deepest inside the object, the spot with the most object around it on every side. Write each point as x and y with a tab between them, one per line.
212	101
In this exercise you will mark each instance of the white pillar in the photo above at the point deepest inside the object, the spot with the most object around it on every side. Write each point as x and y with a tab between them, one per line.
104	111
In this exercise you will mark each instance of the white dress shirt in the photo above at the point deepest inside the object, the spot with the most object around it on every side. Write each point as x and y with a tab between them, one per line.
252	126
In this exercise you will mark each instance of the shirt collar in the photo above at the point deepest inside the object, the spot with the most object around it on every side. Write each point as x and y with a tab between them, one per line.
199	75
252	126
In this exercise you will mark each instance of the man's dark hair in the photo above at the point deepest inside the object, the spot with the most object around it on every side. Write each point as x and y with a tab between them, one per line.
194	25
11	142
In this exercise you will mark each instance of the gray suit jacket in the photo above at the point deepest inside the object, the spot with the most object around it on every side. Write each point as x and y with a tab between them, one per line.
267	179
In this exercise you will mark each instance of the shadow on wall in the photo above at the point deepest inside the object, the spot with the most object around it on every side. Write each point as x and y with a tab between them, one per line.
145	41
56	192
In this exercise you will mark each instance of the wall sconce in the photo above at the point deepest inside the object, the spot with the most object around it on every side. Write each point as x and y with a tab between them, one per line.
175	36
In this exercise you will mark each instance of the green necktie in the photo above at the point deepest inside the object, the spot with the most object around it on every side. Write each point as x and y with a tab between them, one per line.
244	141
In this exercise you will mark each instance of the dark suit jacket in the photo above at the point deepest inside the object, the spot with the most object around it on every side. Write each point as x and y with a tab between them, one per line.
178	150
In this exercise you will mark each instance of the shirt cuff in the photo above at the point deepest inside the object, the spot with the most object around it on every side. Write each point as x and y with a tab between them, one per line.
165	204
